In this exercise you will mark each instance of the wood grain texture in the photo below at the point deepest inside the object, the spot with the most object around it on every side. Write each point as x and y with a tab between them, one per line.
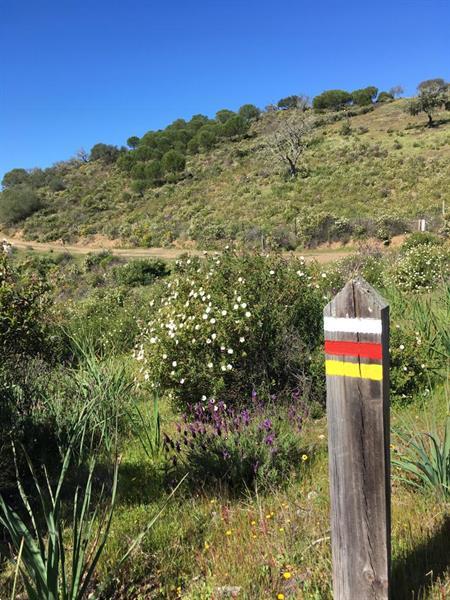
359	462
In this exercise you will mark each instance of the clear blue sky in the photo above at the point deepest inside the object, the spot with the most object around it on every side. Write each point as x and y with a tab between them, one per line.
75	73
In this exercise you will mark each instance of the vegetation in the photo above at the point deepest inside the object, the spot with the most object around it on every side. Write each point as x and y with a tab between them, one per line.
365	170
96	337
433	96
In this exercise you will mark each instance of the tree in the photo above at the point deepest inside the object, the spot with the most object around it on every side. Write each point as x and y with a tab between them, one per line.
82	156
300	102
433	96
18	203
173	162
396	90
365	96
133	141
15	177
385	97
207	137
249	112
224	115
289	142
104	152
332	100
235	126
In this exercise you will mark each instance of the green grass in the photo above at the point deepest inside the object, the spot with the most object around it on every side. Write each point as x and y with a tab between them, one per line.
207	541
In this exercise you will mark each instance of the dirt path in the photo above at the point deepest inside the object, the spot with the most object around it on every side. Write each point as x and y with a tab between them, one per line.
167	253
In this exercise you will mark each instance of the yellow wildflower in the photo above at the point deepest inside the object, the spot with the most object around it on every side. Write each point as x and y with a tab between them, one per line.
228	532
287	575
280	597
304	457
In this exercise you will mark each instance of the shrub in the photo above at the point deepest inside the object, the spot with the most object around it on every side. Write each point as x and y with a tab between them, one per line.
231	323
420	238
425	457
242	449
421	267
18	203
140	272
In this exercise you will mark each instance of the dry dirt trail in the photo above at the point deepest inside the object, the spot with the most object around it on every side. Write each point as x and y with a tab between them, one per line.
323	256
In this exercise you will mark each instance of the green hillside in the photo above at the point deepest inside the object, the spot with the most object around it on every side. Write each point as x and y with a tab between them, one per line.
369	174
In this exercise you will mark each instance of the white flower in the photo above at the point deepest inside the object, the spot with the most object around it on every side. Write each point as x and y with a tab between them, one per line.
230	350
174	363
212	321
208	341
164	356
223	313
210	365
248	314
402	347
244	305
152	340
203	397
272	272
223	368
213	336
242	340
229	367
182	381
222	348
240	279
324	275
236	306
146	376
205	316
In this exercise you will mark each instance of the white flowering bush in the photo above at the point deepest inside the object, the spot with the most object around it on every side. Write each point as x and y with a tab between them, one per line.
229	323
420	268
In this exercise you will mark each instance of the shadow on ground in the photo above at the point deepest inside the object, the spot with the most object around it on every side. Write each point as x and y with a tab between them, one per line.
416	571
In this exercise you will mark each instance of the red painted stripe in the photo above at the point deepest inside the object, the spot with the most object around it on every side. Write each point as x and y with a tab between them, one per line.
366	349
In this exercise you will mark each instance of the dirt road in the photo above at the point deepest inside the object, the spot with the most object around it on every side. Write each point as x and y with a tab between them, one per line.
323	256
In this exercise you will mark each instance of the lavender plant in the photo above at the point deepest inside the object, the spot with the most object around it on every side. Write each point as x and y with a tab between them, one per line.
240	448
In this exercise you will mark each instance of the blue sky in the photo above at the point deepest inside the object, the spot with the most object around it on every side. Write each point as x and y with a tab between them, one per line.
75	73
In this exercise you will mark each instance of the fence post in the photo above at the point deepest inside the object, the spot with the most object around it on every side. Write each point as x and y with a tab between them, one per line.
356	324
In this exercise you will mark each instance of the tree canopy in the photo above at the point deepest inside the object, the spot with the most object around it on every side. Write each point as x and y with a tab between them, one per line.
332	100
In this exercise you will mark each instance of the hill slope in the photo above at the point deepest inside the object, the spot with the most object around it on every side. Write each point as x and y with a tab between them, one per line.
368	175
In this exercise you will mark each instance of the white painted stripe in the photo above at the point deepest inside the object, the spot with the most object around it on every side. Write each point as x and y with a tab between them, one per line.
348	325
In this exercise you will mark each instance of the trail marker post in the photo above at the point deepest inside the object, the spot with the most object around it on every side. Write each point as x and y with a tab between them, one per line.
356	324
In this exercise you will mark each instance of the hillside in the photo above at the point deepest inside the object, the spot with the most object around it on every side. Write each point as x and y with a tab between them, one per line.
364	176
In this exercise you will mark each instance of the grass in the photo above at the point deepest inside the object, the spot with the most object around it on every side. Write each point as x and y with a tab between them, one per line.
206	542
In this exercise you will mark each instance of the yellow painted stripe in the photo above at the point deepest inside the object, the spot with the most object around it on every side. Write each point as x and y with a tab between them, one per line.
351	369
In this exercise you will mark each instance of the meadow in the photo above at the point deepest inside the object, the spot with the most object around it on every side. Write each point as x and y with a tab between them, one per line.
164	425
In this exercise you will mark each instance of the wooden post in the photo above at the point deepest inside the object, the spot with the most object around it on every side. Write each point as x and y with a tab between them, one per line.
356	326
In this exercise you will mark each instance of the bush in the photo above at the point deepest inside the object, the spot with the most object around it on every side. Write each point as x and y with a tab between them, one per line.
242	449
421	238
140	272
18	203
422	267
229	324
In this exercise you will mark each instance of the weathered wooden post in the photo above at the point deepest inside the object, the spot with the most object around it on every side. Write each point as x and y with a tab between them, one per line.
356	326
